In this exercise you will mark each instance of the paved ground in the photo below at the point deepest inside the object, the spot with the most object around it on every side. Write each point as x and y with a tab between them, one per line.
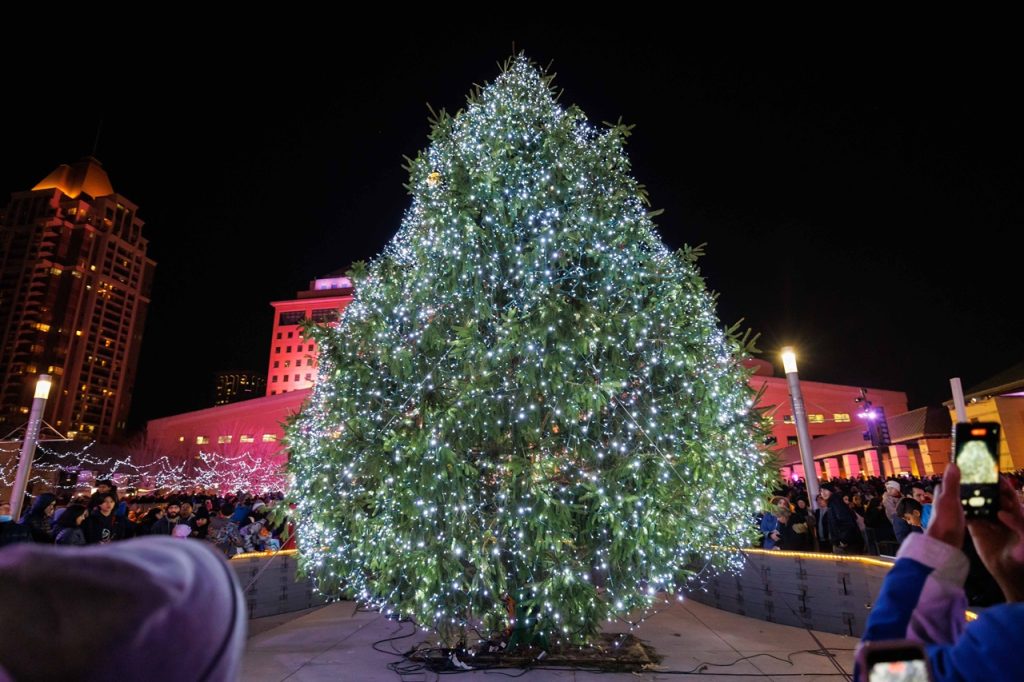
334	643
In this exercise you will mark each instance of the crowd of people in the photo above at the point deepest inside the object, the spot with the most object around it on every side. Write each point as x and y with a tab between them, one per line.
234	523
852	516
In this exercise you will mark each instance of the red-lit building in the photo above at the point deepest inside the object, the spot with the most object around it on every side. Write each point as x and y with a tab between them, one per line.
292	365
74	290
256	425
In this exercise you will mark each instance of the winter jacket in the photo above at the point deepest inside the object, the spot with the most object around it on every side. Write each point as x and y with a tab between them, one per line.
35	519
12	533
101	529
70	536
923	599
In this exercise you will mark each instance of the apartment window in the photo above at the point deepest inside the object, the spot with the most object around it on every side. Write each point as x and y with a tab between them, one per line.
181	439
296	377
274	379
290	318
246	439
269	438
791	440
816	419
287	363
771	440
291	334
276	364
277	349
309	362
787	419
841	417
279	336
308	377
273	393
202	440
223	439
312	347
285	378
288	349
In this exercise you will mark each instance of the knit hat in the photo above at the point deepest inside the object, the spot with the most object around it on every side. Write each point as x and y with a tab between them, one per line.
113	625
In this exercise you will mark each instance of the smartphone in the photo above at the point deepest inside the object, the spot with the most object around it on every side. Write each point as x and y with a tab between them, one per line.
976	452
893	661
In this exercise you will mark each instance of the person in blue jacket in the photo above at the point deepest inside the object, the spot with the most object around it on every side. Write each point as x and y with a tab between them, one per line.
922	598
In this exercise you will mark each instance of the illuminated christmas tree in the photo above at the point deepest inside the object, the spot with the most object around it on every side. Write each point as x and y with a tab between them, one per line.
529	420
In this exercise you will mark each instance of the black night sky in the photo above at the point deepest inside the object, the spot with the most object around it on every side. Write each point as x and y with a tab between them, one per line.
860	202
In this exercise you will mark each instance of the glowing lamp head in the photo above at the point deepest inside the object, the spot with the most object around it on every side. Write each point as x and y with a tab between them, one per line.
43	386
789	359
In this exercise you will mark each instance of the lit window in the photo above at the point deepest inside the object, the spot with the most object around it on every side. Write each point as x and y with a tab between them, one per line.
56	272
787	419
42	326
269	438
246	439
791	440
223	439
181	439
78	332
770	421
841	417
816	418
287	363
202	440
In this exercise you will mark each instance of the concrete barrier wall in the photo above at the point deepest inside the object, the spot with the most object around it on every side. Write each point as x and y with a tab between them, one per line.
270	584
819	591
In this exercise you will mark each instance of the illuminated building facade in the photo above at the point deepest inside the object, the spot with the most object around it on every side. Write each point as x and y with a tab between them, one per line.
292	365
75	283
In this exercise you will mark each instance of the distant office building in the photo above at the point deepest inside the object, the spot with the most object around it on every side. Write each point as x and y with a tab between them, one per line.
233	386
292	363
74	290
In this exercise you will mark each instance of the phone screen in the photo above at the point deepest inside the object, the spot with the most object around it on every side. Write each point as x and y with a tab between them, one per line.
913	670
977	456
977	453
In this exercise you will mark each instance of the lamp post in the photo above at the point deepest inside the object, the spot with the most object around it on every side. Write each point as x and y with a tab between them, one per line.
803	436
28	446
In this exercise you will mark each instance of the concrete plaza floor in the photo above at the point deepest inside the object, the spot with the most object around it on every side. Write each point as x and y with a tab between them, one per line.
335	643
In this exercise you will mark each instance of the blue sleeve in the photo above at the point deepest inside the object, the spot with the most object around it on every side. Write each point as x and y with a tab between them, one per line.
988	650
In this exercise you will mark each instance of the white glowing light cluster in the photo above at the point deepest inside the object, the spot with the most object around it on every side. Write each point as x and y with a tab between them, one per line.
214	471
530	405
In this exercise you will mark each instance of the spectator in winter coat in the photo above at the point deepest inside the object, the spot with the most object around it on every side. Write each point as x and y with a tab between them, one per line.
69	526
11	532
165	526
846	535
37	519
923	598
891	498
102	526
907	519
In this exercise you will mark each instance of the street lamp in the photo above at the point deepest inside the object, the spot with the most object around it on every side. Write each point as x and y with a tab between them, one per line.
28	446
803	436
